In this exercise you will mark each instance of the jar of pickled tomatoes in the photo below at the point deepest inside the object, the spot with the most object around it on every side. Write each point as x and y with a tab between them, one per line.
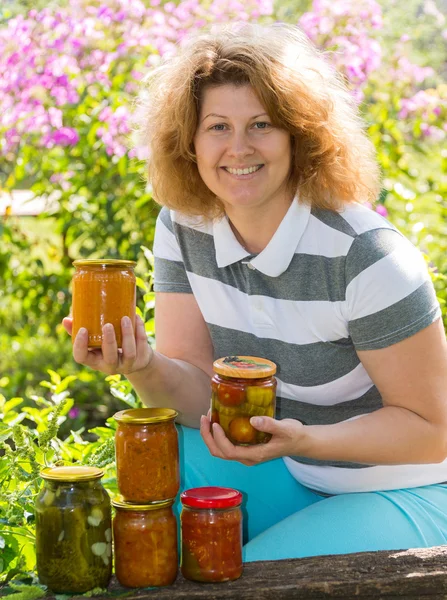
145	542
243	387
211	534
104	291
147	454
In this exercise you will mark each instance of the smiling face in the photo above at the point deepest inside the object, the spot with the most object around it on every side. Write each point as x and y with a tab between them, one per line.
241	156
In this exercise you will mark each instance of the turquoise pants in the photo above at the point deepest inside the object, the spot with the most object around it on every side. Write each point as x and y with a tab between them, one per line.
284	519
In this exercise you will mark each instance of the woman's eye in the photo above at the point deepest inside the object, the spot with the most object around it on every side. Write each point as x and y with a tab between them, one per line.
218	127
262	125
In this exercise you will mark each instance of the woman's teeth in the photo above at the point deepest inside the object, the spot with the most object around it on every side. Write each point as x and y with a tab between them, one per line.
242	171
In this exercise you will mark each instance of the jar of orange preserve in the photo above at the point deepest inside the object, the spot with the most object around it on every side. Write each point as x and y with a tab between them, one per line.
145	542
211	533
103	291
243	387
147	457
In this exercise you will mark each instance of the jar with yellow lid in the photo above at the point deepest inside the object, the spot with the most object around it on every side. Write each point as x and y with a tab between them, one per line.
145	540
243	387
73	530
147	455
103	291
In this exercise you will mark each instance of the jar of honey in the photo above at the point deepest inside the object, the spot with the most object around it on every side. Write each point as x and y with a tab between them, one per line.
103	291
145	542
211	534
73	530
147	455
243	387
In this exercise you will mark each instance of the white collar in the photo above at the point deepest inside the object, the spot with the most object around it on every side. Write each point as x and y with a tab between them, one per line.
277	255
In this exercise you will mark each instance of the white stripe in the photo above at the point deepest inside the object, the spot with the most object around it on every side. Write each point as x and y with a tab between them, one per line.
338	480
386	282
193	222
320	239
362	219
286	320
349	387
165	243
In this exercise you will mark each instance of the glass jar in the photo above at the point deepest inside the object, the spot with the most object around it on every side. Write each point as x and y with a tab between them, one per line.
211	533
243	387
147	455
73	530
145	539
103	292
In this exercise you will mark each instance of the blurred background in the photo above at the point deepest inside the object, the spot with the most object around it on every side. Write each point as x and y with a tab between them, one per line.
72	185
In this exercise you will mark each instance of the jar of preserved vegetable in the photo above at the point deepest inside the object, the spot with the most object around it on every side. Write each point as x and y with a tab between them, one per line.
73	530
211	533
103	292
145	538
147	456
243	387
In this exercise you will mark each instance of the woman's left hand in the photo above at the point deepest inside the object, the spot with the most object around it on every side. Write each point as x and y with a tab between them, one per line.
288	435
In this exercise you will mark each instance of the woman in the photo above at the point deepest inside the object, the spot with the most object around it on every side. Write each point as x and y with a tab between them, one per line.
263	247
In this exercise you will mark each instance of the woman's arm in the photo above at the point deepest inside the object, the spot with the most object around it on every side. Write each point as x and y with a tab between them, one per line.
411	427
178	375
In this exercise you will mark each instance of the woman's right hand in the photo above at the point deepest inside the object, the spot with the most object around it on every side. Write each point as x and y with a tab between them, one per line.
135	355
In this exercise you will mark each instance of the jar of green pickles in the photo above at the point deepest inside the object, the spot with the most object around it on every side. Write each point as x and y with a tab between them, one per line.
73	530
243	387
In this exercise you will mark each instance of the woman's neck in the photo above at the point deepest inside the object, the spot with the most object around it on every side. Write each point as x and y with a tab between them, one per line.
254	228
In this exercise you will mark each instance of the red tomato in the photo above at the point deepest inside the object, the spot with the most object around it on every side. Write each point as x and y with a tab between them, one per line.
242	431
230	394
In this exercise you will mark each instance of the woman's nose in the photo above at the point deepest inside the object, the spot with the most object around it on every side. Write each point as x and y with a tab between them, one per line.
240	144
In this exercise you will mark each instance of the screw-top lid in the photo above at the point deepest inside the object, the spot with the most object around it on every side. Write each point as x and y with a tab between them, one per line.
141	416
71	473
119	502
246	367
211	497
106	262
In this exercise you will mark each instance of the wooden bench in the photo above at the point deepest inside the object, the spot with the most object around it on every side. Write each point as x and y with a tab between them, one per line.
418	573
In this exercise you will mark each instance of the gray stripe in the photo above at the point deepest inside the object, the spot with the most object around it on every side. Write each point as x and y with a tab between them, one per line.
306	365
334	220
329	463
170	276
312	414
368	248
395	323
324	276
165	217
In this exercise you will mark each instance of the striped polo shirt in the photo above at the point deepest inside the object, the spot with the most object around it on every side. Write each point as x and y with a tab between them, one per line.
327	284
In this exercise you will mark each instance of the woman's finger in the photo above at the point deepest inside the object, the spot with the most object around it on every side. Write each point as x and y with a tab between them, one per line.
67	322
208	438
109	347
128	345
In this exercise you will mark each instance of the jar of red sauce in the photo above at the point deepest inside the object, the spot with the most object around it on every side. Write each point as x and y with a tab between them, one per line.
211	534
147	455
243	387
103	292
145	543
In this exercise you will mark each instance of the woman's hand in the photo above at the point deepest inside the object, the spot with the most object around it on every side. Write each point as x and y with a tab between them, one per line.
135	355
288	435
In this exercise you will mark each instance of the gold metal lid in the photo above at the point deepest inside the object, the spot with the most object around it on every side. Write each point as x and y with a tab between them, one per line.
106	262
140	416
119	502
245	367
71	473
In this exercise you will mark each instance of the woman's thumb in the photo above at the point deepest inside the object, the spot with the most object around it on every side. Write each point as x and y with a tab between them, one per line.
266	424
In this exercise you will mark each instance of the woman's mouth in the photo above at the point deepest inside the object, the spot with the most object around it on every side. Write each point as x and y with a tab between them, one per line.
244	173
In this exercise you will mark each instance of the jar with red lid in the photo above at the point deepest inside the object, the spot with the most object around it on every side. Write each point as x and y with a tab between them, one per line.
211	534
145	542
103	291
243	387
147	454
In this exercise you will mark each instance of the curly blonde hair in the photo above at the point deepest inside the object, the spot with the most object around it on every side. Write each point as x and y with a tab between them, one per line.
333	161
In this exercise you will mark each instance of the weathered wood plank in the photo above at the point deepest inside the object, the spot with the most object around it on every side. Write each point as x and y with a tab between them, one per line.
387	575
